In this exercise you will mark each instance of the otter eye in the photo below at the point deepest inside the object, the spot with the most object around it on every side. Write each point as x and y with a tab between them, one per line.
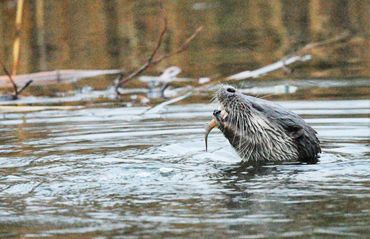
230	90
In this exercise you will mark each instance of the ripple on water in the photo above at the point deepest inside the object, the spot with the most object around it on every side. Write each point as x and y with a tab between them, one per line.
118	172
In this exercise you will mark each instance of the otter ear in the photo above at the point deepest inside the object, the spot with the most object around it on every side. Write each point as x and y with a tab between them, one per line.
295	131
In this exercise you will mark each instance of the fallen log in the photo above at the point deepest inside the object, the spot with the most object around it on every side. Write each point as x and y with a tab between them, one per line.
21	109
281	64
55	77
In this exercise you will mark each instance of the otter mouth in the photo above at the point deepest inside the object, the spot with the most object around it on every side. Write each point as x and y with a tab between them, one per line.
218	118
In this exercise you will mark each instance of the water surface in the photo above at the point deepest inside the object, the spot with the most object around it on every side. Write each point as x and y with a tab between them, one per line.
117	172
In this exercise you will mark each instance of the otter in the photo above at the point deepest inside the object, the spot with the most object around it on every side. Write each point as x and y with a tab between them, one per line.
262	131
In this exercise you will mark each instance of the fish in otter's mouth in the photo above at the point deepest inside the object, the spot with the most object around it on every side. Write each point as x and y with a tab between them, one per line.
262	131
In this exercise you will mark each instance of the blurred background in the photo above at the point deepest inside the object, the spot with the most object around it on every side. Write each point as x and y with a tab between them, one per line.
238	35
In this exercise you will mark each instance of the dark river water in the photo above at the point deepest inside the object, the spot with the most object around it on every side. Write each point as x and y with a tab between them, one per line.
116	172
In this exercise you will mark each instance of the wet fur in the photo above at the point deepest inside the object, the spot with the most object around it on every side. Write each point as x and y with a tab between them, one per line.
262	131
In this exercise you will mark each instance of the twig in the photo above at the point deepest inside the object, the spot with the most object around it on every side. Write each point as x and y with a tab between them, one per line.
24	87
152	60
17	91
161	36
341	37
182	48
15	88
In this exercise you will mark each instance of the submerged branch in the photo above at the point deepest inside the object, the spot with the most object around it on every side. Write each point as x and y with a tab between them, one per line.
155	109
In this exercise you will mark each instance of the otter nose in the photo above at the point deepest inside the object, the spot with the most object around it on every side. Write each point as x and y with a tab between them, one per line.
230	89
216	112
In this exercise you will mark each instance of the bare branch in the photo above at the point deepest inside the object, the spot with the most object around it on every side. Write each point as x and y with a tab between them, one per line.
161	35
182	48
301	55
24	87
341	37
15	88
152	60
148	63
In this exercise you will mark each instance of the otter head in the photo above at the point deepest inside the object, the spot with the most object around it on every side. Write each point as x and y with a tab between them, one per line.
250	129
